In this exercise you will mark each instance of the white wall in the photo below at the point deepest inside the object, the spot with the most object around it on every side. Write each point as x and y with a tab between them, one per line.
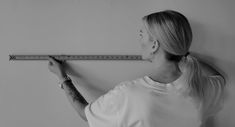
29	94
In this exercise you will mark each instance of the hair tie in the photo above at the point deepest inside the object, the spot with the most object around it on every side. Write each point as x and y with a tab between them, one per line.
186	54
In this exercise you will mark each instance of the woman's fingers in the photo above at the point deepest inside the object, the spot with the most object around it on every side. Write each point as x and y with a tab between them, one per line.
51	59
51	62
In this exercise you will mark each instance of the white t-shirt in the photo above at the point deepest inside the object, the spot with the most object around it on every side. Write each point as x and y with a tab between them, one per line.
145	103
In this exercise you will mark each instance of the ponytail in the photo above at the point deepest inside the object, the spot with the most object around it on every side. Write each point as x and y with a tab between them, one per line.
191	68
206	89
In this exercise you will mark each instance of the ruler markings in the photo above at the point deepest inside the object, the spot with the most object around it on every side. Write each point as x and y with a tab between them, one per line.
76	57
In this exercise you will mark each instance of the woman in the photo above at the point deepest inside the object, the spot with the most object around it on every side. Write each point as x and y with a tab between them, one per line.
179	92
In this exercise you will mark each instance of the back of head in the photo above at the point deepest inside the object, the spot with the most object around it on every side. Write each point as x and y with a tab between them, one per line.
171	29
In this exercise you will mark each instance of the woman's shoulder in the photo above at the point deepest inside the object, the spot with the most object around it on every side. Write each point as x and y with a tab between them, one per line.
129	85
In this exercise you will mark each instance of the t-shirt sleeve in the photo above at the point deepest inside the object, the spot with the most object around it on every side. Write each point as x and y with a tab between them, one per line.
103	112
215	94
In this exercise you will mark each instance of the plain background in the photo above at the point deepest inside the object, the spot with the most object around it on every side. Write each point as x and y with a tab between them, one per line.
29	93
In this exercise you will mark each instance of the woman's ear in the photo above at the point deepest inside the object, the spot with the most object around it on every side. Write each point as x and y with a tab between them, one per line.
155	46
153	50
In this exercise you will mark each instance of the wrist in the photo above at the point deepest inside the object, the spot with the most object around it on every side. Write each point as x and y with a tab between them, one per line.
62	76
63	80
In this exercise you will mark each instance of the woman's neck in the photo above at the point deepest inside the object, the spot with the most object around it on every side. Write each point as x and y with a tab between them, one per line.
165	72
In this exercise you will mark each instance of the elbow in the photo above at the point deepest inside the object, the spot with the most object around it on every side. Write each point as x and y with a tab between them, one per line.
85	119
82	113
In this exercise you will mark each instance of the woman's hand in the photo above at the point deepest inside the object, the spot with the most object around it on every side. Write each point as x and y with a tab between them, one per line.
57	67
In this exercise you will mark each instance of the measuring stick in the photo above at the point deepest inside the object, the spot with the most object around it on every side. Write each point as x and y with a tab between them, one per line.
76	57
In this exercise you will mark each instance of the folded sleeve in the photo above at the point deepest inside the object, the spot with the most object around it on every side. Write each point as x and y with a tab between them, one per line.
103	112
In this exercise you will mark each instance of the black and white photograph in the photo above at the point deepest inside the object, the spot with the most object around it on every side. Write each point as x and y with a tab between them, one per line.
117	63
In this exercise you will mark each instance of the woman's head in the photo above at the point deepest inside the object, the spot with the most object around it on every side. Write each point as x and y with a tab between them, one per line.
167	30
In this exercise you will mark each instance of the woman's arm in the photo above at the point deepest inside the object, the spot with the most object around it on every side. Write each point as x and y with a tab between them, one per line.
75	98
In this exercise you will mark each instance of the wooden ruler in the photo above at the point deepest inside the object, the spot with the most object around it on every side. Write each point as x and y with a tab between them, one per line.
76	57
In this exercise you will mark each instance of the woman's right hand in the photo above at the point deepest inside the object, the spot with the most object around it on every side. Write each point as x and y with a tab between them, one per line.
56	67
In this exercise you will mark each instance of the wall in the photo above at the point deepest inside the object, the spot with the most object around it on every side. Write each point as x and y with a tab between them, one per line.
29	93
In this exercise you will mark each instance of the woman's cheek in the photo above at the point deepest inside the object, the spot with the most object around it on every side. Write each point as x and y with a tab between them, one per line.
145	53
144	47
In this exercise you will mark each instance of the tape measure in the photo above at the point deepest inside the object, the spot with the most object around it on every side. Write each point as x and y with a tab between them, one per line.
76	57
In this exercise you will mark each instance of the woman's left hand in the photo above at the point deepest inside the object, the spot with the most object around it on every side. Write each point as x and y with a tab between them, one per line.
56	67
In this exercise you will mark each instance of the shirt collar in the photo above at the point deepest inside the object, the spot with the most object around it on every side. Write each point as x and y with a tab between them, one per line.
148	82
177	84
152	82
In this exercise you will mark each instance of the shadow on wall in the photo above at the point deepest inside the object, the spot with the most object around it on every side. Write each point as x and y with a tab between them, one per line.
199	34
211	122
201	39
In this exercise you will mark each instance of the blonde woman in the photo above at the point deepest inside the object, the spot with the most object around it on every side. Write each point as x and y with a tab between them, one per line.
181	91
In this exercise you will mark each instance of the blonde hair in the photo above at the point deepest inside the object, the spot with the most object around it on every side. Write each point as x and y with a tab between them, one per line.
172	30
